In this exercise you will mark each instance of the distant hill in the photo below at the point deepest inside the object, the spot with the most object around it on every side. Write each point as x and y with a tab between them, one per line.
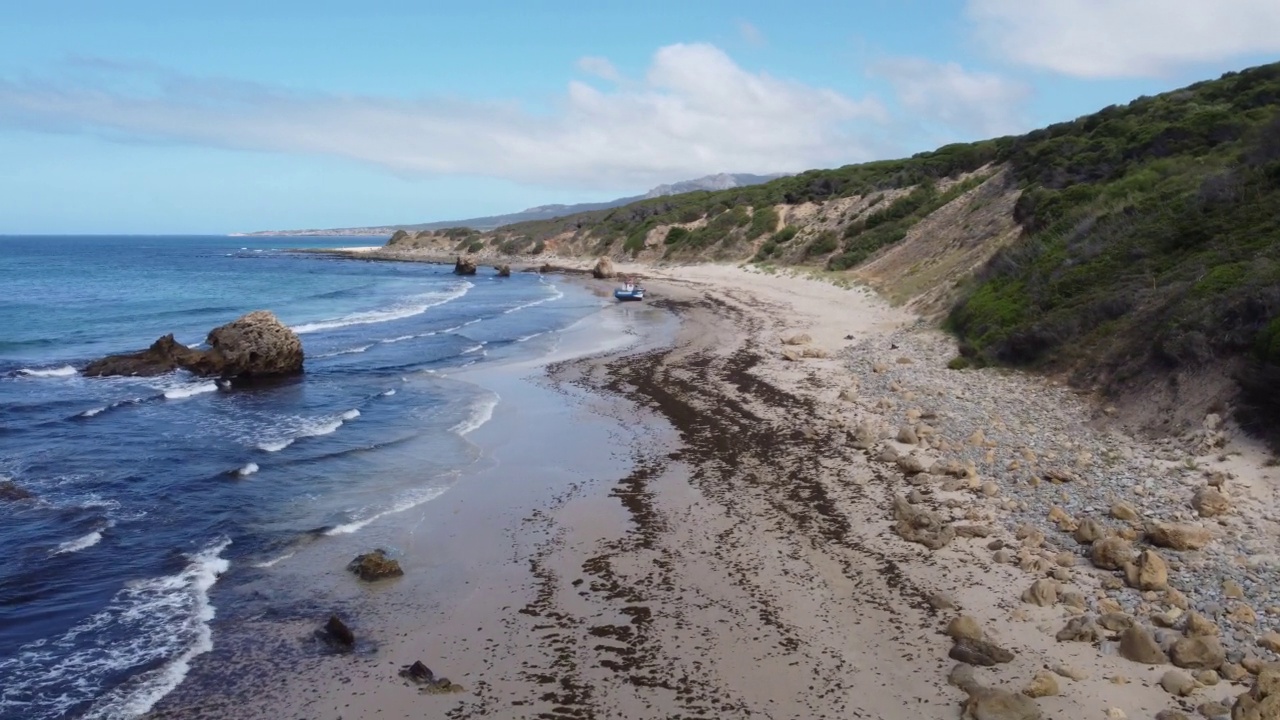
720	181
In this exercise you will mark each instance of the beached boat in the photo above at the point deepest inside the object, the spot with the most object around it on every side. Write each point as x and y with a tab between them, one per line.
629	291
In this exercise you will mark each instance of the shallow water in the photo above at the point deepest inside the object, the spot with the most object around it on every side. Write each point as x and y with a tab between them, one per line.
153	493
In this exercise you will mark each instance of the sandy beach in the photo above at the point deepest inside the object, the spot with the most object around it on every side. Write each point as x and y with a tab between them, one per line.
760	495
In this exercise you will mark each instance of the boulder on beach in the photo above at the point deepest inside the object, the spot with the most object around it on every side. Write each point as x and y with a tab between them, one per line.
338	632
375	566
503	270
603	269
419	674
464	266
253	346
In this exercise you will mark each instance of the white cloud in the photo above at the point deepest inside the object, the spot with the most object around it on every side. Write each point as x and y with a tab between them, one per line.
599	67
694	112
751	33
945	94
1125	38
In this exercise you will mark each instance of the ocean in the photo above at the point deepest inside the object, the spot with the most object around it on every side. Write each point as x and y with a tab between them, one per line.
153	497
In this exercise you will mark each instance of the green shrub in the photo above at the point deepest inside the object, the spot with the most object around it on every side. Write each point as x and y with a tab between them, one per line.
959	362
475	246
675	235
763	220
785	235
824	243
539	247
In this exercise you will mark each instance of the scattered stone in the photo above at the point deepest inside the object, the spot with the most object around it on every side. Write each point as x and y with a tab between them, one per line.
1082	628
1116	621
1137	645
1210	502
1270	641
1242	614
375	566
1111	553
1088	531
1178	536
974	531
1214	710
1262	702
1043	593
990	489
1124	511
1200	626
338	632
1232	589
1172	715
1233	672
1176	682
964	627
921	526
420	674
1071	672
1198	652
962	676
941	601
979	652
1074	599
1116	713
995	704
1043	684
1150	572
797	339
907	435
913	463
1208	678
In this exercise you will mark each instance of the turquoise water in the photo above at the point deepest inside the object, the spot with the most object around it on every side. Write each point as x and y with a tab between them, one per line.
154	495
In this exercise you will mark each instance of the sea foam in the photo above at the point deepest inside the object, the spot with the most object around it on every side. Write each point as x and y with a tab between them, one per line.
163	623
409	307
64	371
187	391
80	543
406	501
481	413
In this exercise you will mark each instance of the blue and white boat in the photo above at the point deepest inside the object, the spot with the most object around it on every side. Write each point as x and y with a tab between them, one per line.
630	291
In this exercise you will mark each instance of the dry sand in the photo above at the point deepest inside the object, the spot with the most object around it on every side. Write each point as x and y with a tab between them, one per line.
740	561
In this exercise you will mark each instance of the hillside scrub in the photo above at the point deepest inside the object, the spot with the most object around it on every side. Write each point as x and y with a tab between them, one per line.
1151	237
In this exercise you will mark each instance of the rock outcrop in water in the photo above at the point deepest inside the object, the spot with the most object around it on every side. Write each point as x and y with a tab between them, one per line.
504	270
11	491
253	346
464	266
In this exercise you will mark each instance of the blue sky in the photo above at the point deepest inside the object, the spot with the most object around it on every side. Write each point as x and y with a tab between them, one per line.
204	117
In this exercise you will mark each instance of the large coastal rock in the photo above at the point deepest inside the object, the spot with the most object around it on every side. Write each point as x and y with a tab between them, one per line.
464	266
503	270
603	269
254	346
376	565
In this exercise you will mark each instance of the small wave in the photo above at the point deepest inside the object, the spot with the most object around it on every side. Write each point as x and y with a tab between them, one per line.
408	501
313	428
481	413
348	351
187	391
389	393
527	338
556	295
80	543
472	349
402	338
412	306
93	411
64	371
248	469
273	561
